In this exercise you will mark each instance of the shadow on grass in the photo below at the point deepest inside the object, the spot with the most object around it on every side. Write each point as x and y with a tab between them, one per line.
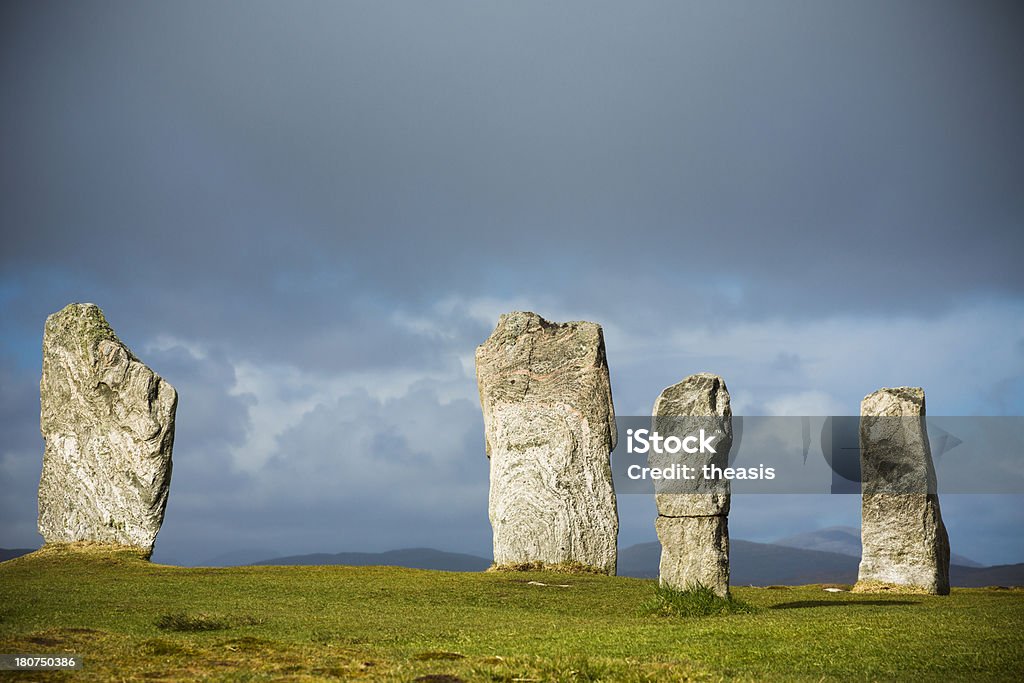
830	603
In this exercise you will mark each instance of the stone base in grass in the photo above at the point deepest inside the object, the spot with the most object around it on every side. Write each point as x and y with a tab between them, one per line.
895	588
560	568
93	548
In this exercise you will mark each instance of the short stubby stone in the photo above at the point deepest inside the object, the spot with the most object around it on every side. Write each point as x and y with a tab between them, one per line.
549	428
108	424
693	523
904	542
694	550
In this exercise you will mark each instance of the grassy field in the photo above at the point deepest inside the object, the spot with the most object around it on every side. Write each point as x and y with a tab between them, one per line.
132	620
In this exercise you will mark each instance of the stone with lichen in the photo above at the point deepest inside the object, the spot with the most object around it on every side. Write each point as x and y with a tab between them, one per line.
108	425
904	542
693	522
549	431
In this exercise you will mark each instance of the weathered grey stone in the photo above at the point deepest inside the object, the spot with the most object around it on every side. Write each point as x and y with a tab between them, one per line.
905	545
699	402
108	423
694	550
549	429
692	522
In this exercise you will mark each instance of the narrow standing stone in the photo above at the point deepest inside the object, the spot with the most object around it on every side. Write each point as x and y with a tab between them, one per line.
693	516
549	428
108	423
905	545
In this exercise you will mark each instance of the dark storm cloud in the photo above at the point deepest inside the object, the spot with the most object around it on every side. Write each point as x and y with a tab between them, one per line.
19	472
856	148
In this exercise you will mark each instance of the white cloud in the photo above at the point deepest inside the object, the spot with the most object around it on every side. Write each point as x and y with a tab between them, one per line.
790	367
957	357
404	441
165	342
803	403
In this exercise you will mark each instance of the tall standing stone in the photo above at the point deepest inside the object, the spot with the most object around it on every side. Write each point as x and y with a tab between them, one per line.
108	423
905	545
549	427
693	515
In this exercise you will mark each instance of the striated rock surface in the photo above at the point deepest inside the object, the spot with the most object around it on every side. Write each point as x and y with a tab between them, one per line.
693	523
549	428
108	423
905	545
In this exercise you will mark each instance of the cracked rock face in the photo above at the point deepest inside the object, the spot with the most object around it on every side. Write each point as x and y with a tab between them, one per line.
904	541
108	423
549	427
693	522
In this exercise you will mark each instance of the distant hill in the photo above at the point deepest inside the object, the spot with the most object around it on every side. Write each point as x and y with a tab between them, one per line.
846	541
758	564
11	553
766	564
977	577
237	558
414	558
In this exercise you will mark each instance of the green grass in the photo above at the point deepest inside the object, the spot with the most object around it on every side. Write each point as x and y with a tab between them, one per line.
695	601
133	620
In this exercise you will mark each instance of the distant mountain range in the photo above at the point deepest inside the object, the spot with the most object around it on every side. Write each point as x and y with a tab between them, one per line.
845	540
11	553
767	564
756	564
415	558
236	558
824	556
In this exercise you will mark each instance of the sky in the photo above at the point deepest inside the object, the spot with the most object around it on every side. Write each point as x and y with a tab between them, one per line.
307	215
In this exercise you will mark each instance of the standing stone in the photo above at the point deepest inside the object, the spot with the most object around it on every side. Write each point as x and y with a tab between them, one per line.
108	423
693	515
549	427
905	546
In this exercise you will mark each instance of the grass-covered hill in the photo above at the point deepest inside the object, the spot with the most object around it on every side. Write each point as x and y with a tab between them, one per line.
133	620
